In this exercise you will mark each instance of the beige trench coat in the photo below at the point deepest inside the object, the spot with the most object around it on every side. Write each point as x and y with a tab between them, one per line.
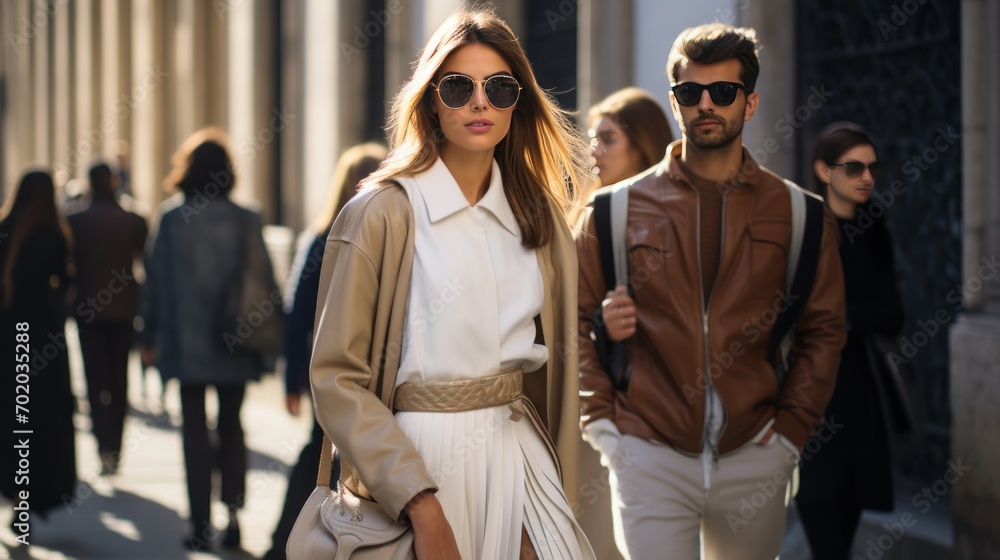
361	309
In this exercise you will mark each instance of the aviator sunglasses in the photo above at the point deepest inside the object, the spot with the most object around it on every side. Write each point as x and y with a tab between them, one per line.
455	90
854	169
688	94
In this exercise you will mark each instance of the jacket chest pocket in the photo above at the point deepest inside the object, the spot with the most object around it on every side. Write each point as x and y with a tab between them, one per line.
649	248
769	242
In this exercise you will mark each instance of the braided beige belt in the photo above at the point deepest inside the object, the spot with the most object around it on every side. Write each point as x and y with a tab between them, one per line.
504	388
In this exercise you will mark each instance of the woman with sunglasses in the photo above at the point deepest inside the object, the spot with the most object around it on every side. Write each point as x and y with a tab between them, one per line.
849	466
448	291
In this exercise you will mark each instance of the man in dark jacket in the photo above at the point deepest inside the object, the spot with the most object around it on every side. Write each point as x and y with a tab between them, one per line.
704	441
108	241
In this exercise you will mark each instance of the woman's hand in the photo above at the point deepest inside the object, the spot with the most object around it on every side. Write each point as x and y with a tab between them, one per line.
433	538
293	403
618	312
147	355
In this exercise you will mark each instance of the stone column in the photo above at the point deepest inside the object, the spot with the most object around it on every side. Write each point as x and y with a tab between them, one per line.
975	337
604	51
62	85
775	25
151	148
292	146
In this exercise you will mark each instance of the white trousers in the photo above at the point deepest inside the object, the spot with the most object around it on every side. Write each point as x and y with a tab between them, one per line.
667	505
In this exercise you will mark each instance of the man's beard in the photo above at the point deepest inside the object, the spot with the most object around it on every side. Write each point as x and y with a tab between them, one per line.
716	139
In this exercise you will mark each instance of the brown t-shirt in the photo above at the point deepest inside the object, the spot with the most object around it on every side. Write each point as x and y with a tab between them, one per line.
710	197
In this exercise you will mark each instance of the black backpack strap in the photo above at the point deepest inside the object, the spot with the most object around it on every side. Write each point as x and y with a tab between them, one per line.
602	223
802	282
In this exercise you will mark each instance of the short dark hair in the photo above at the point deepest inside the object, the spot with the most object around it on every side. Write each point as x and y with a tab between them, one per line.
100	179
203	159
717	42
832	142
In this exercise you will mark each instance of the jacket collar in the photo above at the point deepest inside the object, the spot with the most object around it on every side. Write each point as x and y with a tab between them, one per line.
444	197
749	175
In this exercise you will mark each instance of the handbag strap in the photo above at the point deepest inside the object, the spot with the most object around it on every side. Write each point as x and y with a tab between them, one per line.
325	462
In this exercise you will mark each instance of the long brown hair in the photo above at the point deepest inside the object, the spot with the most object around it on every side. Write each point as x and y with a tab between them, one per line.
32	206
356	163
543	160
641	119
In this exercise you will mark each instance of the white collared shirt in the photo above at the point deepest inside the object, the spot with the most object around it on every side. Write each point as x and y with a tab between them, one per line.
475	290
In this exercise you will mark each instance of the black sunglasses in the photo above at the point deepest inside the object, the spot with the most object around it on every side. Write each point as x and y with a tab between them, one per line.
688	94
854	169
456	90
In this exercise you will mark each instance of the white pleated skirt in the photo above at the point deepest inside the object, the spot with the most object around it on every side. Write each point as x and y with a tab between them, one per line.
496	475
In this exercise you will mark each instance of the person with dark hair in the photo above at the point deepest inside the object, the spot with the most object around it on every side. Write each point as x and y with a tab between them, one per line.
197	249
852	470
443	369
703	423
35	244
301	291
109	241
629	133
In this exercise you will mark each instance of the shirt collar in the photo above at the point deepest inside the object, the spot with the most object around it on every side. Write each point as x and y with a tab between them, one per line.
444	197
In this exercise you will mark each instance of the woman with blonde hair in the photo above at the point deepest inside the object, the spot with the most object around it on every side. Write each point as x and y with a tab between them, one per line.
448	292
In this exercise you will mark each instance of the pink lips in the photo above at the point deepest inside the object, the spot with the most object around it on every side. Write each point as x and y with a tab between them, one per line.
479	125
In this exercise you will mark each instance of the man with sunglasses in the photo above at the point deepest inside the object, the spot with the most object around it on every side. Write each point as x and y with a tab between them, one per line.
704	441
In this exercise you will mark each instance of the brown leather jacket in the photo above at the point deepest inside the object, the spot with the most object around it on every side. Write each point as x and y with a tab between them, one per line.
679	347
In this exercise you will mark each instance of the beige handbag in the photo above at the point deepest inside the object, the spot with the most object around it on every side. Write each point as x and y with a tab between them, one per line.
338	525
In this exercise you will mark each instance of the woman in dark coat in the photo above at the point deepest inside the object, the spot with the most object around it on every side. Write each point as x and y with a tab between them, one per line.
34	249
193	260
852	468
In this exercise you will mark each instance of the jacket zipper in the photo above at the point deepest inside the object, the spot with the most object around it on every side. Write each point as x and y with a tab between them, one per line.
706	305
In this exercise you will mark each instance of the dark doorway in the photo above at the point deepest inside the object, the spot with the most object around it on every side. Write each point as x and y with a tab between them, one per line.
894	68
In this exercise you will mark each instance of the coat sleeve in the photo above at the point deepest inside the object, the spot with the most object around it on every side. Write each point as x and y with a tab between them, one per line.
355	419
820	335
597	394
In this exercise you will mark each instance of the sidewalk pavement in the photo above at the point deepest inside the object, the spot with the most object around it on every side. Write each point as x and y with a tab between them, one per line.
141	512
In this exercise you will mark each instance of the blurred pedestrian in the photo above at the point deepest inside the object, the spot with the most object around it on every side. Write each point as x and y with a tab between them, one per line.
629	133
108	243
450	275
301	292
852	469
35	245
193	256
703	422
